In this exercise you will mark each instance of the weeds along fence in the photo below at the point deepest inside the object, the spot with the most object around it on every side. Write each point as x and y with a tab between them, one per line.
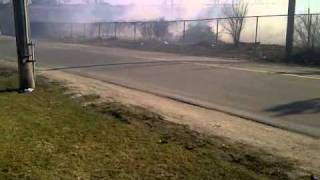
270	29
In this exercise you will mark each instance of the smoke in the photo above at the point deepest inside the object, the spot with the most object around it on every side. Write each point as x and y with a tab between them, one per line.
142	10
271	30
186	9
191	9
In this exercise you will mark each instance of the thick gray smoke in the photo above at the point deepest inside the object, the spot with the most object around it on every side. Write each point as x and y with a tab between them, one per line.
108	12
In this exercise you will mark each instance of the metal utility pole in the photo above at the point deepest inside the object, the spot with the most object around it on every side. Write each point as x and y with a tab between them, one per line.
25	48
290	27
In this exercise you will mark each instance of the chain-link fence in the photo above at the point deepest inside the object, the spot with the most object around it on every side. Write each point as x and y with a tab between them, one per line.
265	30
256	29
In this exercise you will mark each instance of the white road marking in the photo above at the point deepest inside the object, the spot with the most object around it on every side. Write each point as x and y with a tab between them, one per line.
260	71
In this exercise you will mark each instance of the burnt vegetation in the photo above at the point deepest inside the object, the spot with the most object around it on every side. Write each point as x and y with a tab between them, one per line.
200	34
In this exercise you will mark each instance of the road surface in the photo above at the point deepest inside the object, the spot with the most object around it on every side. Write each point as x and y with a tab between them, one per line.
281	96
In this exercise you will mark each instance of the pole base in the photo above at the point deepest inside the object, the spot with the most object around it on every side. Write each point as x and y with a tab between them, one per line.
29	90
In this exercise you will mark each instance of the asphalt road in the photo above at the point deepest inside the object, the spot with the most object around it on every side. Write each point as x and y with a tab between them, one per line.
282	96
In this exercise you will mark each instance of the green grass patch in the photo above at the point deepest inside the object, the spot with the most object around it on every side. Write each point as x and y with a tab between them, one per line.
49	135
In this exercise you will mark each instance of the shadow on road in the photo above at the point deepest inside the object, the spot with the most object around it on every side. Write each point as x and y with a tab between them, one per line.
311	106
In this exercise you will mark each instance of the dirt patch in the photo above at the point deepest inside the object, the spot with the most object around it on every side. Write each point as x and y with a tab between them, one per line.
299	148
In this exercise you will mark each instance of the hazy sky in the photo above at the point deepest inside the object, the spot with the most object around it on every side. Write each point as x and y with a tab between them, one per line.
267	6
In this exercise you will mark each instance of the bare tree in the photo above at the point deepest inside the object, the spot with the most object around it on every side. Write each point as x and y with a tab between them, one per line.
307	29
315	32
235	19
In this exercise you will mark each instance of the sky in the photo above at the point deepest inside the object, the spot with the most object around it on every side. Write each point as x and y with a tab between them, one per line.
260	5
257	7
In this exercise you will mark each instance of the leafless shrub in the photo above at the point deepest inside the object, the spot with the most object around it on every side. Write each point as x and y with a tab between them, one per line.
161	28
157	29
307	30
199	33
235	19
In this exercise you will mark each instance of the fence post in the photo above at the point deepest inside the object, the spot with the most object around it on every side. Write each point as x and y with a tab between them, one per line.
184	31
85	30
99	30
217	32
53	29
257	29
135	31
115	30
71	30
